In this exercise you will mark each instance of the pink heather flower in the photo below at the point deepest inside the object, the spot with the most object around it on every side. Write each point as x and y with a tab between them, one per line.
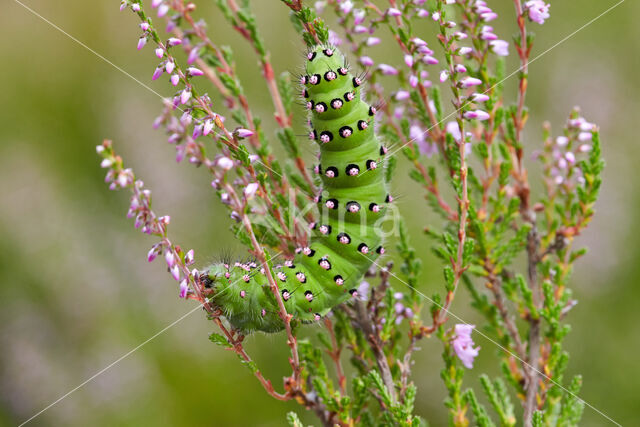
185	95
561	141
486	33
459	35
488	16
585	136
500	47
463	345
144	26
188	258
585	148
153	253
423	13
250	190
175	79
435	16
184	288
207	127
413	81
392	11
538	10
358	16
159	52
372	41
366	61
479	97
408	59
460	68
225	163
418	41
175	272
123	5
360	29
387	70
470	81
135	7
334	38
430	60
402	95
444	76
141	42
106	163
571	158
346	6
170	258
197	131
173	41
195	71
244	133
162	10
169	67
193	55
477	115
465	50
155	3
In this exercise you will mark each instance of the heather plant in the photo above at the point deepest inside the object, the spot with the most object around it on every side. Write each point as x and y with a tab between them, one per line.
441	115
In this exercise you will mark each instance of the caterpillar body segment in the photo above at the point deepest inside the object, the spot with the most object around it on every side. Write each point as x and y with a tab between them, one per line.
345	240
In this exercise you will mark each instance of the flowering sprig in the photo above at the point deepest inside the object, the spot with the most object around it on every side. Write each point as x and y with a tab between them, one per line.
490	219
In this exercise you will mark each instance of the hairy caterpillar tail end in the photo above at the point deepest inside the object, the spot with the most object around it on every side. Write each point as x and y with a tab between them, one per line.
346	239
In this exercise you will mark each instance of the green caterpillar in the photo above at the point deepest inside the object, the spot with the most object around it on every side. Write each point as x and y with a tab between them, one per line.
346	239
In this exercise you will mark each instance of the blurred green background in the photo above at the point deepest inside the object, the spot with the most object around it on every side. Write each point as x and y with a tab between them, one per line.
76	290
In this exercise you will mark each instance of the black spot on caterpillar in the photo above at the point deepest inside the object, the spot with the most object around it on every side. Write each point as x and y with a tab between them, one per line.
345	240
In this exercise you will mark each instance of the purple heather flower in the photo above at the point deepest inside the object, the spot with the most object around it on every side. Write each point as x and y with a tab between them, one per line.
174	41
358	16
571	158
360	29
585	136
408	60
413	80
175	272
538	10
423	13
170	258
207	127
372	41
225	163
477	114
459	35
463	344
418	41
470	81
460	68
188	258
244	133
387	70
144	26
170	66
162	10
444	76
429	60
153	253
159	52
486	33
141	42
366	61
402	95
184	288
135	7
185	95
175	79
499	47
392	11
346	6
561	141
479	97
195	71
464	50
193	55
250	190
488	16
123	5
155	3
435	16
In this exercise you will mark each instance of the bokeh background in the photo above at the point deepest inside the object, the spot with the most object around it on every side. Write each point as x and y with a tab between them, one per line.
76	292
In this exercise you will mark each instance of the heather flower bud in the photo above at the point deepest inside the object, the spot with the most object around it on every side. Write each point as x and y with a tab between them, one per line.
444	76
144	26
188	258
372	41
470	81
141	42
170	258
185	95
207	127
243	133
346	6
460	68
162	10
175	79
193	55
366	61
195	71
477	115
413	81
479	97
402	95
500	47
465	50
392	11
152	254
387	70
170	66
173	41
135	7
225	163
408	60
155	3
184	288
250	190
159	52
358	16
422	13
175	272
